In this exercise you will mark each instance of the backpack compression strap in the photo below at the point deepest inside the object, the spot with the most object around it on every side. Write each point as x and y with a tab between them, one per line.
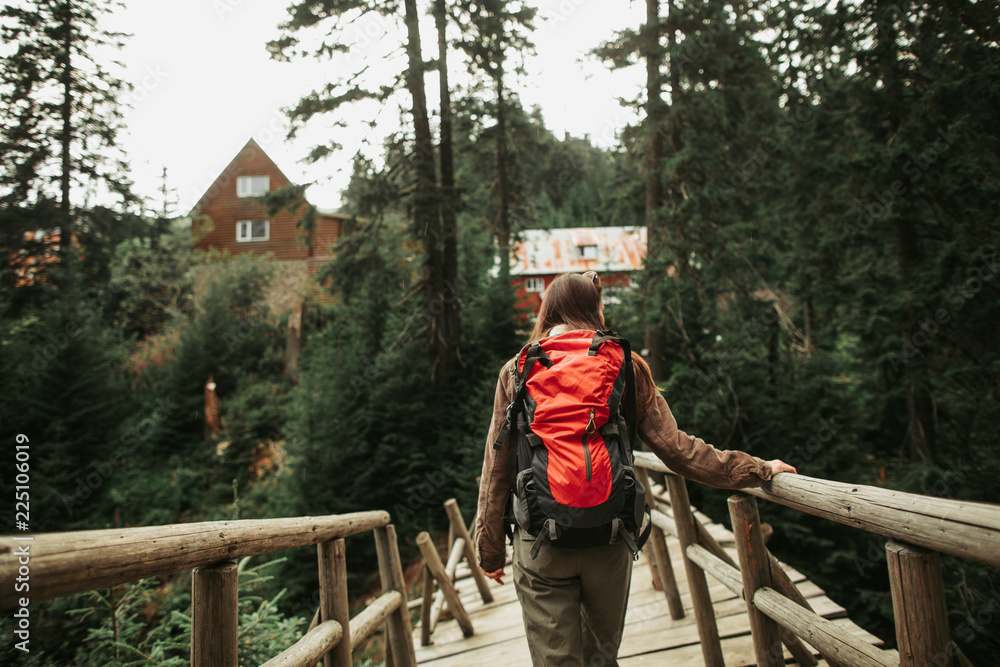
633	542
629	397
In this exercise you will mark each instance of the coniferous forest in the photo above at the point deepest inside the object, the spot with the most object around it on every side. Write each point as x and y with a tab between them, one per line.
820	182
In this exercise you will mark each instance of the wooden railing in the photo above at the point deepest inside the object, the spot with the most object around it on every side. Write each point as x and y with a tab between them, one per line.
459	548
919	529
65	563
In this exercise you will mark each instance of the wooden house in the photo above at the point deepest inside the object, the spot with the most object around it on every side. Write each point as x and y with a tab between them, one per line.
231	217
543	254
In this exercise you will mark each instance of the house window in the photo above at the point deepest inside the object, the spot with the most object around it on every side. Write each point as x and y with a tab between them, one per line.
252	186
253	230
535	284
587	251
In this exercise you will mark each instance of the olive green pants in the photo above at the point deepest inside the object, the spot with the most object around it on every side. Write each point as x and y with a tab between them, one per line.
573	602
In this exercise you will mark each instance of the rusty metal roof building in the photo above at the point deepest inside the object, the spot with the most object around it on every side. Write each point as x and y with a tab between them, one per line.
554	251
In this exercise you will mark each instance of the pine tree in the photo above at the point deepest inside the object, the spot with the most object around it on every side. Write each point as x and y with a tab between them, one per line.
497	31
720	105
449	196
423	195
894	230
824	166
59	128
656	114
63	109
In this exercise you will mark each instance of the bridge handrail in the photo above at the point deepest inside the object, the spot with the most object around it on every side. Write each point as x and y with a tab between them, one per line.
70	562
956	527
919	527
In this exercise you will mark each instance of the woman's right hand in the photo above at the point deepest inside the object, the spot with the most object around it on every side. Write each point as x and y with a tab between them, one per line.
496	576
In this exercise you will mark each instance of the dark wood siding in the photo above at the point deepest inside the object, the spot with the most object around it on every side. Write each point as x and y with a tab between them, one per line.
326	234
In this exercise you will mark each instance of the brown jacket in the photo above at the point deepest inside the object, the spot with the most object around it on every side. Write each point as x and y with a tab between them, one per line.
685	454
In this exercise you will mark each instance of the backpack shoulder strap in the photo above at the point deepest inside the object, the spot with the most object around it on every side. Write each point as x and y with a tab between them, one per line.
629	398
533	353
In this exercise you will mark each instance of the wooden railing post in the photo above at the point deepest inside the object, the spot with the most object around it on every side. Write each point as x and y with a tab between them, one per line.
919	606
432	561
701	599
214	615
333	604
390	570
658	543
755	566
784	585
654	567
425	607
662	568
462	533
449	571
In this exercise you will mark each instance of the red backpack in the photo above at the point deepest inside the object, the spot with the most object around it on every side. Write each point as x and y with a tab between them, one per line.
572	480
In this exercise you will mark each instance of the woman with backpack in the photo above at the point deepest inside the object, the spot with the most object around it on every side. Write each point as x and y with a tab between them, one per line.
573	596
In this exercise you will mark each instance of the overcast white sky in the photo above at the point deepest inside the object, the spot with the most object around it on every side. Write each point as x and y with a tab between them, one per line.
204	85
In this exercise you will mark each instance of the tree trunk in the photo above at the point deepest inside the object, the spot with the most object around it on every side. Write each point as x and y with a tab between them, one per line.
426	218
655	116
447	154
502	223
293	341
920	429
449	200
675	77
66	113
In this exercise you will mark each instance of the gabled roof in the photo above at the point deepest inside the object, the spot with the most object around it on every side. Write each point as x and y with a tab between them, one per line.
251	151
554	251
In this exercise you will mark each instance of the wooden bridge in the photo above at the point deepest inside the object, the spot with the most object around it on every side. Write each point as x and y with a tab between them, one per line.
651	635
755	610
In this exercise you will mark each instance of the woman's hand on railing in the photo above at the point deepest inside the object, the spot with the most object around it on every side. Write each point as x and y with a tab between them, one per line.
496	576
777	465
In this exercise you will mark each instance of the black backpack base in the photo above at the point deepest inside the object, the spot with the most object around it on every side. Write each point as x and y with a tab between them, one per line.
632	524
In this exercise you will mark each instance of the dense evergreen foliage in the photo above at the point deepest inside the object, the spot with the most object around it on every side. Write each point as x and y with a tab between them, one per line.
821	287
831	232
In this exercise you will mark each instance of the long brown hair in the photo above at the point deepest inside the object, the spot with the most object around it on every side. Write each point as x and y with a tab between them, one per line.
572	299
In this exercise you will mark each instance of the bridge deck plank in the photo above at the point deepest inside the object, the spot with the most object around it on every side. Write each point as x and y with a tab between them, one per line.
651	636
